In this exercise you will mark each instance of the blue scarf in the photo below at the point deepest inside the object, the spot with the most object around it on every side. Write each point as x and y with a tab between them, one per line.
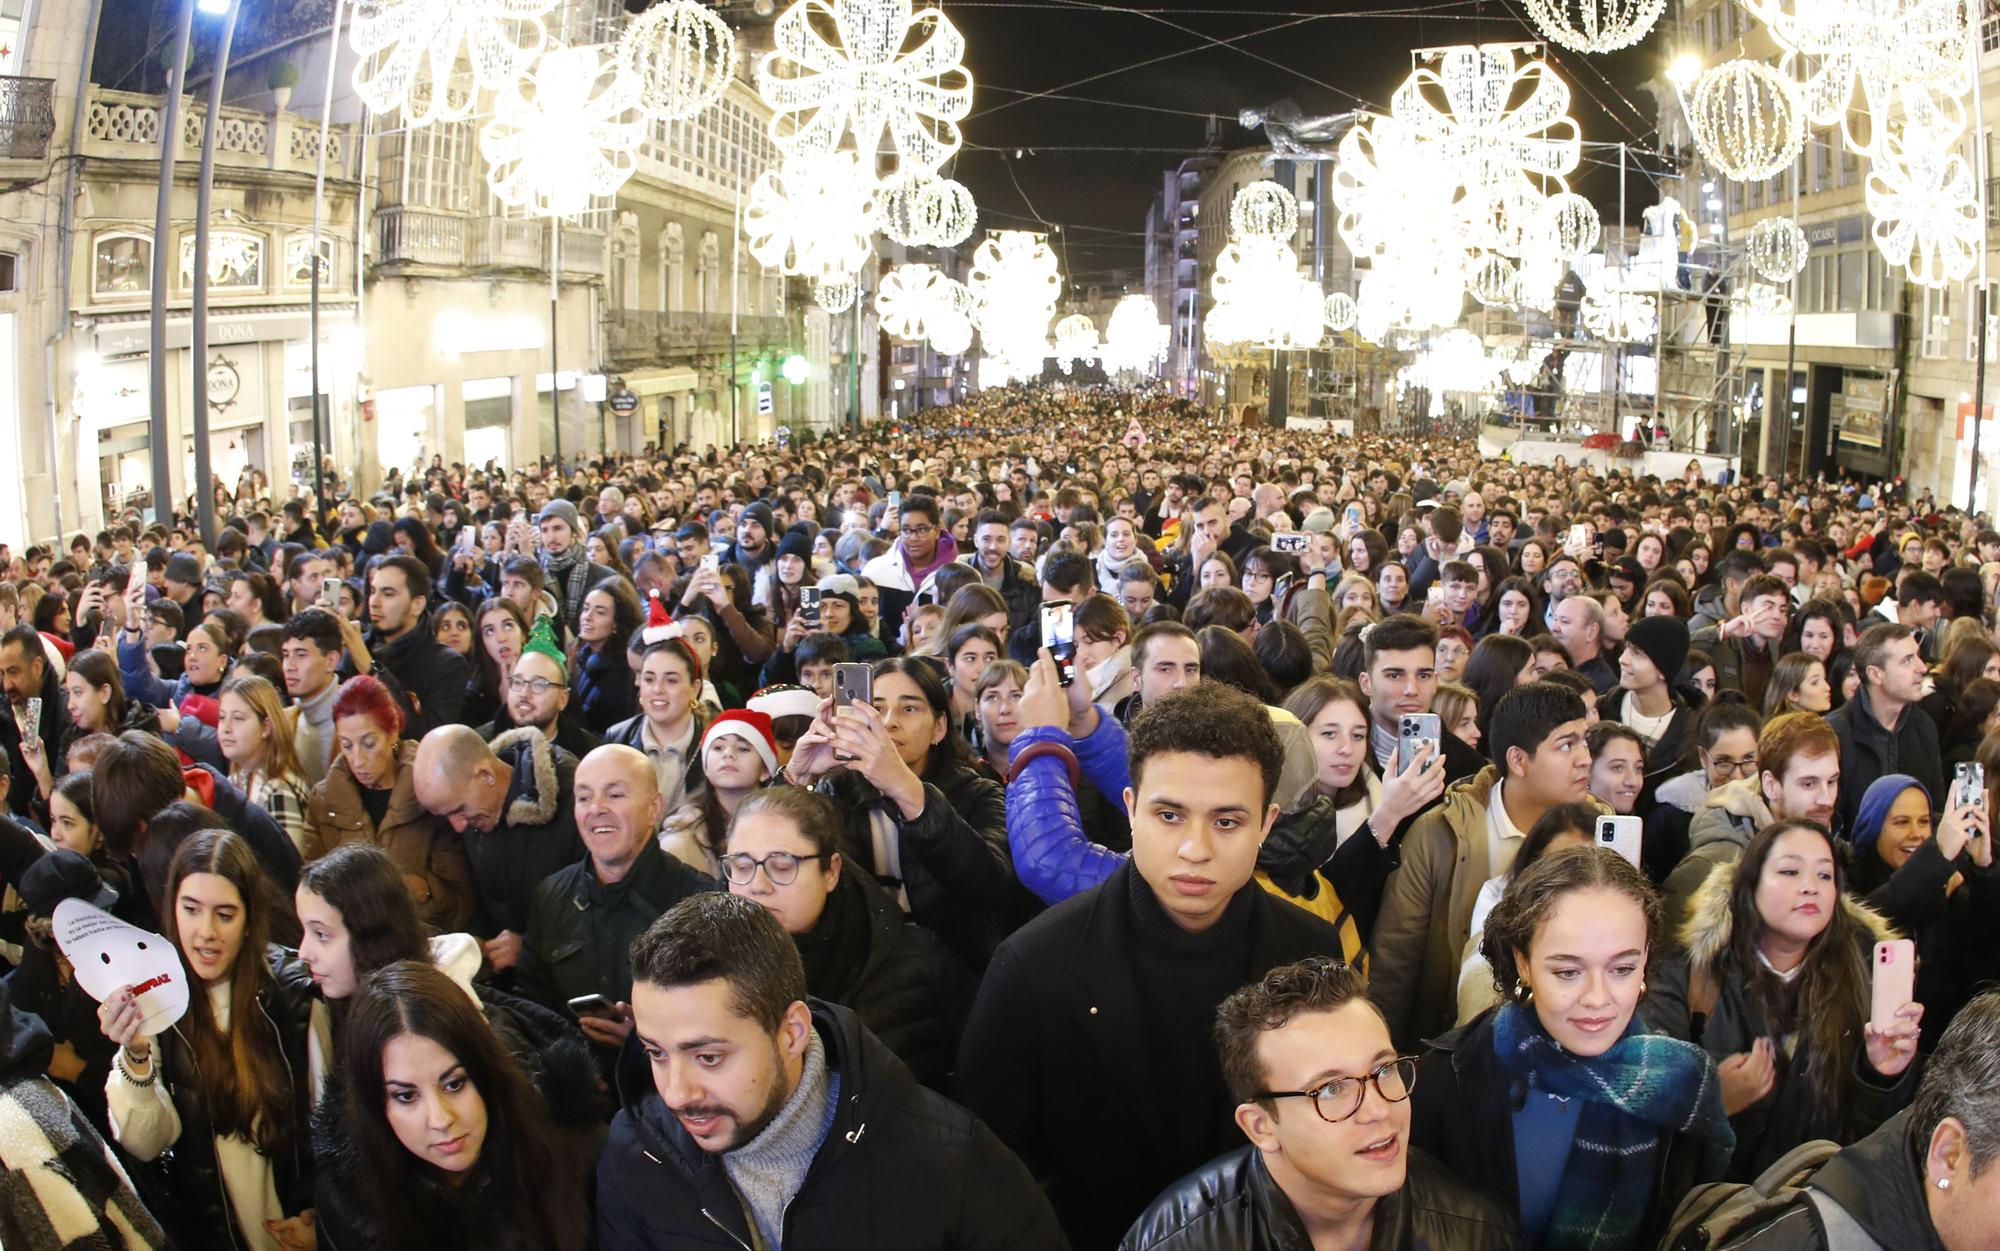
1647	1087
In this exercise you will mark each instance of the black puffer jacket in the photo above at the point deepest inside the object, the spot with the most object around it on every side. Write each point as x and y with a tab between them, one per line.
902	1166
956	867
605	689
907	987
1232	1204
192	1203
431	675
1877	1183
535	837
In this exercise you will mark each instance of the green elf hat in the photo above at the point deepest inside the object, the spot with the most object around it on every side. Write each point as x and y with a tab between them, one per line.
543	639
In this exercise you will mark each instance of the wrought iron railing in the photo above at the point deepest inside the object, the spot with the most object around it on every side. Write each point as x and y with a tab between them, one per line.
27	118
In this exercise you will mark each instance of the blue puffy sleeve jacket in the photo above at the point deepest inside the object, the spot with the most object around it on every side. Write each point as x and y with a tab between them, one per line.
1054	855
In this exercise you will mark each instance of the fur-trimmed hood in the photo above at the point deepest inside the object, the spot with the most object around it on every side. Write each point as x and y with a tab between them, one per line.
1705	934
1687	792
1733	812
533	759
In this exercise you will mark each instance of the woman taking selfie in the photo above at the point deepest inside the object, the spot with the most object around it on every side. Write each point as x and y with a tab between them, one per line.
1559	1104
369	795
439	1140
1776	950
255	736
228	1086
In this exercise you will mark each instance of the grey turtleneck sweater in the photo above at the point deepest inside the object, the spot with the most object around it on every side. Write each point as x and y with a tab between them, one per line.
313	736
768	1170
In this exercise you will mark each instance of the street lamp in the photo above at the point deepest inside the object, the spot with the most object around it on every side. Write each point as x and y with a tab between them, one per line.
796	369
1684	70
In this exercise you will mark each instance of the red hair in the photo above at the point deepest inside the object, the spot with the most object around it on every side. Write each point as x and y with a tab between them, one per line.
367	697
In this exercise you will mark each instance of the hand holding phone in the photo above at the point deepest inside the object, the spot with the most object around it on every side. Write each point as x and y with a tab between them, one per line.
593	1005
1059	636
809	597
1893	981
1623	835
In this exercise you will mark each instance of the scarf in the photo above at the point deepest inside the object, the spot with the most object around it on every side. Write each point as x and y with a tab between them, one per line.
1646	1087
559	567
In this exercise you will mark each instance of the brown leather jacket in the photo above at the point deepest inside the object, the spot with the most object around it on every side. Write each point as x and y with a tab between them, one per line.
420	844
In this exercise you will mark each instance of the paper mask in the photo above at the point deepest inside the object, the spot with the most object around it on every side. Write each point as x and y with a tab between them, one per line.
108	954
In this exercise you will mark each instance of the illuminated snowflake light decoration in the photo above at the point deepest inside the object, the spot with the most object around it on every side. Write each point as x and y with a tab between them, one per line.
1747	119
1596	25
1255	284
1926	209
921	302
1496	119
1135	339
1872	61
813	215
1761	299
681	54
408	53
1776	248
839	77
1014	285
572	138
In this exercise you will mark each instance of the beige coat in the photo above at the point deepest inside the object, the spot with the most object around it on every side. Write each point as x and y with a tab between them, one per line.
421	845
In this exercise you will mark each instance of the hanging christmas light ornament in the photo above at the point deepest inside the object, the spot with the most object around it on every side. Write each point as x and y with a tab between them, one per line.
1264	210
1776	248
812	215
408	53
1076	341
681	54
1340	312
1495	282
835	294
1014	285
570	137
1254	282
922	210
1926	209
1866	61
1761	299
1496	119
1615	314
1135	339
839	77
1747	119
1596	25
1571	225
920	302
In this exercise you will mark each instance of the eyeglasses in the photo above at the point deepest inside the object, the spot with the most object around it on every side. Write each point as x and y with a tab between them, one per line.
1724	765
920	532
537	687
1340	1097
782	867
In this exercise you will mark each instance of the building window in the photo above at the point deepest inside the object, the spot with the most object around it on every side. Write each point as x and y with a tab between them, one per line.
121	265
429	167
235	260
1935	328
298	263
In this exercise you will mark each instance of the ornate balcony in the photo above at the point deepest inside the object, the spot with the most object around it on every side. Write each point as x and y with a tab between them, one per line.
27	118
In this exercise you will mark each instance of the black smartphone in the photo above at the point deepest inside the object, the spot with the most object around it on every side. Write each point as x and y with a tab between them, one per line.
809	606
1059	636
593	1005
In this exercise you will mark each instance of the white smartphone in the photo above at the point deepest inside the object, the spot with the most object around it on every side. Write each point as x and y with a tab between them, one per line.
1968	786
1622	835
1579	539
1417	729
1893	982
1290	542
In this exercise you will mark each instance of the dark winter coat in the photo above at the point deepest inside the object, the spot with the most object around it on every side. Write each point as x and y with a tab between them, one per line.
1869	751
1057	1042
907	987
200	1215
431	675
1792	1113
536	834
1462	1112
1957	934
1232	1204
1878	1182
21	795
902	1166
603	691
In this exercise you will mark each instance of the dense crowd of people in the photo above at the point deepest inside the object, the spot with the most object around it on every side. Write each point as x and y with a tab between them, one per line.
1072	821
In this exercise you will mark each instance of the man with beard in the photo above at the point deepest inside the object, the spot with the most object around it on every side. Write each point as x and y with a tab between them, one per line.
537	696
570	573
756	1116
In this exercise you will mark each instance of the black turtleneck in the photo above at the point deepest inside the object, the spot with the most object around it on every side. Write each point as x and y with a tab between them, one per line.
1181	978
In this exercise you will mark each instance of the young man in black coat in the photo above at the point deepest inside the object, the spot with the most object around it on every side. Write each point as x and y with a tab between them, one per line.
755	1116
1091	1049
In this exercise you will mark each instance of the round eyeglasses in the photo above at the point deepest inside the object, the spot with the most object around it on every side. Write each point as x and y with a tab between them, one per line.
781	867
1338	1098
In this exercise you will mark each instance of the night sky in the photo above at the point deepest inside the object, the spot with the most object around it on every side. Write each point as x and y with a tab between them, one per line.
1094	164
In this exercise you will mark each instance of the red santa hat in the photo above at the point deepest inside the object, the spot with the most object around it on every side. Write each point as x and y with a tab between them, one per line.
659	626
753	728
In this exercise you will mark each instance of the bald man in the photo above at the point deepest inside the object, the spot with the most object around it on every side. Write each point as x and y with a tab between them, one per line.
512	801
582	919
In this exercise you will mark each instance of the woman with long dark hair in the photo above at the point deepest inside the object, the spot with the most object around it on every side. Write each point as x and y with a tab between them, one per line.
499	632
1499	663
1774	983
602	681
1513	610
413	538
440	1140
917	813
227	1087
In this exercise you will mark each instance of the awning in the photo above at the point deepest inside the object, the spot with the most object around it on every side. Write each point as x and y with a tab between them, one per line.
662	381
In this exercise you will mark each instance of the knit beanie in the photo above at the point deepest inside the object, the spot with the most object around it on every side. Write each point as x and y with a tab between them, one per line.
795	543
1664	640
759	512
563	511
542	638
1319	521
1875	803
753	728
